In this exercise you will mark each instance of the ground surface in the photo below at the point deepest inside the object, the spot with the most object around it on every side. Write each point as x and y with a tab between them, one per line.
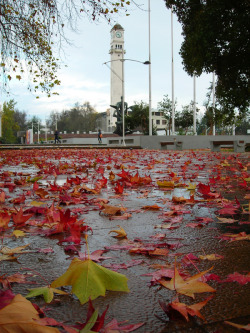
164	212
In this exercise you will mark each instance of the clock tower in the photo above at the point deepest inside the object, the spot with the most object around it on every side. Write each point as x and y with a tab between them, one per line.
116	53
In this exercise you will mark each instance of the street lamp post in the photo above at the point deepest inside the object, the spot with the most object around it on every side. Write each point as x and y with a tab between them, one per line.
194	106
149	72
123	87
172	72
123	97
213	103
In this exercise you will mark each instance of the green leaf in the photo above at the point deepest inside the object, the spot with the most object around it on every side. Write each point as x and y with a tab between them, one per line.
90	323
90	280
47	292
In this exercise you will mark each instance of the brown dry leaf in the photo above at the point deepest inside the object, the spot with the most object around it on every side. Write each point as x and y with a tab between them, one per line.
225	220
240	327
89	190
159	252
187	287
213	256
120	233
9	251
152	207
112	210
7	257
165	183
21	316
41	193
111	176
179	199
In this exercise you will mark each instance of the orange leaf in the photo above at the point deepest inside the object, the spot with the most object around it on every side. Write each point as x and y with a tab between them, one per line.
152	207
192	310
112	210
4	220
21	316
187	287
159	252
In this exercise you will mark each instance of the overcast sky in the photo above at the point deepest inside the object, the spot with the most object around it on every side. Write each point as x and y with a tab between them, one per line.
86	78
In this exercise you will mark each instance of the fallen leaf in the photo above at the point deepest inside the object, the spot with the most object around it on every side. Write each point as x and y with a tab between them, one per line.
18	233
121	233
213	256
21	316
112	210
15	278
114	327
240	327
46	292
90	280
184	309
237	277
9	251
189	286
151	207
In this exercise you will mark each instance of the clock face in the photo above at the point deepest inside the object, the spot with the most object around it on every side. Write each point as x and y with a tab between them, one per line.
118	34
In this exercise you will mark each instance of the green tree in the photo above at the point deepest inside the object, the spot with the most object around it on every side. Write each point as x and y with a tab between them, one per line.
165	106
20	117
216	39
82	118
138	118
31	33
184	119
9	125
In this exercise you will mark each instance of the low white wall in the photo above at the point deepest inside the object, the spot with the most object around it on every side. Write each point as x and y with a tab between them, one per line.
189	141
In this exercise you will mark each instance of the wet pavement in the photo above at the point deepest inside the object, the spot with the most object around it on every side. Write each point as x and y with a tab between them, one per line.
176	224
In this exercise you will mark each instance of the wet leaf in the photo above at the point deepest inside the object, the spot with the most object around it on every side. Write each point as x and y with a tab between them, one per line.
46	292
189	286
21	316
184	309
240	327
90	280
121	233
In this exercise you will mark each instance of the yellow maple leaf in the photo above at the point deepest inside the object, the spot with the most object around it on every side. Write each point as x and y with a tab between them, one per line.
191	187
18	233
90	280
120	233
21	316
213	256
187	287
7	250
165	183
35	203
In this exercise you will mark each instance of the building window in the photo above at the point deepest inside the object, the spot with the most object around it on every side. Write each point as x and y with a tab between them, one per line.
164	122
157	122
157	113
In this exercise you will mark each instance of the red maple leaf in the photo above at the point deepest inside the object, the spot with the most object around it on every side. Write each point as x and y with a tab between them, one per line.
19	218
237	277
119	188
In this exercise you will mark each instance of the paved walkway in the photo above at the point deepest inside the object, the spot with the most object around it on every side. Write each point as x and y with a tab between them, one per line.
172	219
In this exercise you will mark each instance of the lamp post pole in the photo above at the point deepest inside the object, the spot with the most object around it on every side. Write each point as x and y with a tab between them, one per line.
213	103
172	50
123	97
149	72
194	106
